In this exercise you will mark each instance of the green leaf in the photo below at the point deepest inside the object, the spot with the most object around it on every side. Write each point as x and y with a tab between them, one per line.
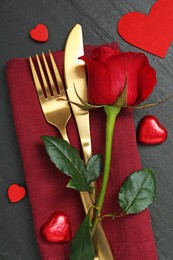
67	159
138	191
82	245
93	168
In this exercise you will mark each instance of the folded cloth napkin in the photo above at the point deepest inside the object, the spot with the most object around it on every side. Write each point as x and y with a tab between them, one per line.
130	237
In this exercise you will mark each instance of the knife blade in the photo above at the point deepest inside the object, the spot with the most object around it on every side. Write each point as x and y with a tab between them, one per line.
75	75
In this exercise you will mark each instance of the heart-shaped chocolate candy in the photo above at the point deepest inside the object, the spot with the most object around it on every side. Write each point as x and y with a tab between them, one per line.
57	229
151	131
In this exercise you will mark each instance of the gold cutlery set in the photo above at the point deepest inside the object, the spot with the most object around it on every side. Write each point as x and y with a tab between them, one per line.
54	96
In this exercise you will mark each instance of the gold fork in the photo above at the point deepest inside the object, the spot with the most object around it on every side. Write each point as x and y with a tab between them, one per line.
54	105
53	101
57	112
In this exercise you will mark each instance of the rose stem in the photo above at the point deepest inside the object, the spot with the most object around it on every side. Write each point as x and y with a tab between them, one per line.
111	115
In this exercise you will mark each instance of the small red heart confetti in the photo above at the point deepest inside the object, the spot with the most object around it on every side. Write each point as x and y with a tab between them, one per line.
57	229
16	192
146	31
151	131
39	33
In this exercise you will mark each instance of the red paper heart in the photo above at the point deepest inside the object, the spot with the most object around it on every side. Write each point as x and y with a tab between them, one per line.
39	33
151	131
16	193
153	32
57	229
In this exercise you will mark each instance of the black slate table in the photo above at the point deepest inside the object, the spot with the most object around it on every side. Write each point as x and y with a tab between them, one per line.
99	19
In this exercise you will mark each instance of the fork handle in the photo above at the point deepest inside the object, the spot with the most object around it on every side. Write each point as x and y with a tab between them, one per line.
64	135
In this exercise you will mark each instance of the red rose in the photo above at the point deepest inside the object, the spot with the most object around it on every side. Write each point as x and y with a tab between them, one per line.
108	72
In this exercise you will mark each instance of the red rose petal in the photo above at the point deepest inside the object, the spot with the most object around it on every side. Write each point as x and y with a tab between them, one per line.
39	33
16	193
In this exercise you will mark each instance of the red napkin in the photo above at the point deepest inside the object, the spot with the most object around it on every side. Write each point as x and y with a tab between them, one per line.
130	237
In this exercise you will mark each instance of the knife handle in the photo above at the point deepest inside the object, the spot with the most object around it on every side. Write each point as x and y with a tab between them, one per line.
102	247
103	250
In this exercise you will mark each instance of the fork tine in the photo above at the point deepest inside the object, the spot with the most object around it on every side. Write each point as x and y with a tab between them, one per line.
36	80
46	87
57	75
52	84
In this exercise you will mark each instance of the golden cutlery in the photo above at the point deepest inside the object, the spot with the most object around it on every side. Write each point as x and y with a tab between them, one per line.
75	78
56	112
53	103
75	75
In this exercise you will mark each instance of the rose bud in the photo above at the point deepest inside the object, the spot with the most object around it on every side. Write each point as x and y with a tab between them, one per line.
113	74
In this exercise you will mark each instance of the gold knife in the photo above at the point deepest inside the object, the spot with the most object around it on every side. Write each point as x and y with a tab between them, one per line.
75	75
